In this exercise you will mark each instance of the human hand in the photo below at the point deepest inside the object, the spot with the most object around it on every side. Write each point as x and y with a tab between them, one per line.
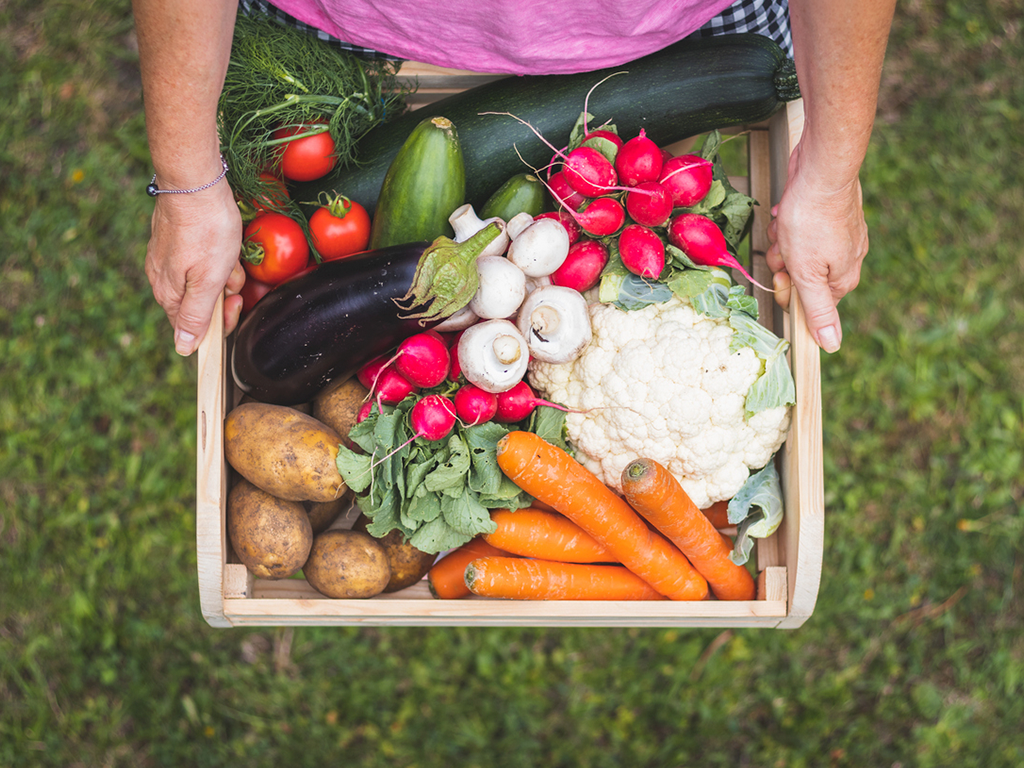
818	241
192	257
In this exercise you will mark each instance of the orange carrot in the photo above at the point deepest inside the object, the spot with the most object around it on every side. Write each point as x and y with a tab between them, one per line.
718	514
545	535
553	476
657	495
528	579
447	577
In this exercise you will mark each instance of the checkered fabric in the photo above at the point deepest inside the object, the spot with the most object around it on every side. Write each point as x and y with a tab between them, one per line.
765	17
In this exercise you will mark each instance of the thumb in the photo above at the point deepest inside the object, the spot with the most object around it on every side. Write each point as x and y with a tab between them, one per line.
821	315
193	318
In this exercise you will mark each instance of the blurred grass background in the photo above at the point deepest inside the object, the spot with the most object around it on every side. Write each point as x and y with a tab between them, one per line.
914	656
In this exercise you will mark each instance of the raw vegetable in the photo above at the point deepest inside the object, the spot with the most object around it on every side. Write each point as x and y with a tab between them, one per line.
601	216
339	228
688	179
423	359
649	204
638	161
308	153
718	514
347	564
642	251
703	242
424	184
407	564
271	536
523	192
493	354
438	494
546	536
475	406
539	249
466	223
280	77
659	498
502	288
274	248
684	90
518	403
582	267
324	325
432	418
550	474
708	396
447	577
526	579
756	510
555	323
309	472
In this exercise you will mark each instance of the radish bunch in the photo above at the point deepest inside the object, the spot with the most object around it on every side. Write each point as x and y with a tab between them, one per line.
635	199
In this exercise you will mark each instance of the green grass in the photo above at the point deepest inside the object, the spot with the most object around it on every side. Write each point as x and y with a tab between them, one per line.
915	653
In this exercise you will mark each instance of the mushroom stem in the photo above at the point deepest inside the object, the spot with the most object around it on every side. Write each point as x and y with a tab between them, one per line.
506	349
544	320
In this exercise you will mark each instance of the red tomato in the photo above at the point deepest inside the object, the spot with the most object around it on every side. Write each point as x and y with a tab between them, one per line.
340	228
276	195
251	292
308	158
274	248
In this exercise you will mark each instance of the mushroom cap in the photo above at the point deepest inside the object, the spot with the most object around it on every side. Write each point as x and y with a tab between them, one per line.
555	322
493	355
541	248
502	288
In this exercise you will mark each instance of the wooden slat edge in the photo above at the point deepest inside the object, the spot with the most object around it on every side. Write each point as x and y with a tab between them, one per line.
211	481
801	455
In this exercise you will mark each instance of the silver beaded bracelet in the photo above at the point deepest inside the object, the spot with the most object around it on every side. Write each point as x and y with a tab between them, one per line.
153	190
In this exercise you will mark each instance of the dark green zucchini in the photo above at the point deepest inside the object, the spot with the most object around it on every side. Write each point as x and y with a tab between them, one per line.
424	184
523	193
686	89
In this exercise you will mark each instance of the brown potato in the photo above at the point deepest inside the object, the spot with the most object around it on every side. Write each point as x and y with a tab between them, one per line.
347	564
323	513
339	407
272	537
288	454
408	564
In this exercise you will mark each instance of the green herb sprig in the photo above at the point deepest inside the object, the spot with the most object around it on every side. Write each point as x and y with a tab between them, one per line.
281	77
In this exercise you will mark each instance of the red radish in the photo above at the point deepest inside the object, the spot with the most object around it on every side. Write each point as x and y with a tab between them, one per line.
364	412
614	138
639	160
567	221
602	217
642	251
517	403
665	157
688	178
474	405
455	370
423	359
433	417
649	204
391	387
589	172
701	239
582	267
563	192
368	374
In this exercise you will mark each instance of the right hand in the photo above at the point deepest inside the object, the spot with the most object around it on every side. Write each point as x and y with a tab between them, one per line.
192	258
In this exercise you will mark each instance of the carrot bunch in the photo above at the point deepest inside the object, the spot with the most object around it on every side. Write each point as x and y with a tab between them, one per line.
582	541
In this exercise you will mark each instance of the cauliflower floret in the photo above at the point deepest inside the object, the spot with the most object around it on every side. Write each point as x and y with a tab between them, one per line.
661	382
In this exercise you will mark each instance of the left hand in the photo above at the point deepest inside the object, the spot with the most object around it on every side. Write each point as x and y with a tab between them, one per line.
818	242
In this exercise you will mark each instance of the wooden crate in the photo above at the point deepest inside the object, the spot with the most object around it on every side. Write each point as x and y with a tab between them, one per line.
788	563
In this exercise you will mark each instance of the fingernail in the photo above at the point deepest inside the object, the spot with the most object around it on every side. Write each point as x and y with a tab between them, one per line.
183	343
828	337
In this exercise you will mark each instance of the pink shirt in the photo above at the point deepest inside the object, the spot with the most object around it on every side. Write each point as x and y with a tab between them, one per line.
509	36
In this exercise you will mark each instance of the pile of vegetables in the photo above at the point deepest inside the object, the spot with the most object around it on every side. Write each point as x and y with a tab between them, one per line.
580	325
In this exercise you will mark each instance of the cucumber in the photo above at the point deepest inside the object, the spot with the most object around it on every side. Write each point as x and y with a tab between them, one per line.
425	182
688	88
524	192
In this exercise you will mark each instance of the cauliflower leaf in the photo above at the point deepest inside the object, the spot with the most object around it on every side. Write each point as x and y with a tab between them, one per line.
756	510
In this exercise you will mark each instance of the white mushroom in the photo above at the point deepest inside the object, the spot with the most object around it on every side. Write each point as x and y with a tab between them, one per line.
502	288
533	283
459	321
556	323
517	224
466	223
541	248
493	355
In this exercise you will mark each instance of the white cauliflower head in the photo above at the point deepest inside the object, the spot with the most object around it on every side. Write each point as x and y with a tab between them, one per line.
661	383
